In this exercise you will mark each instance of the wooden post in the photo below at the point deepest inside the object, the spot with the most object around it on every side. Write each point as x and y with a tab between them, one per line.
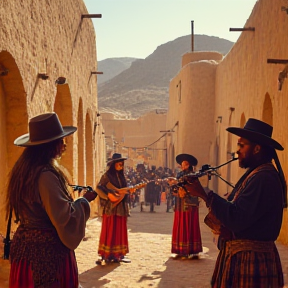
192	36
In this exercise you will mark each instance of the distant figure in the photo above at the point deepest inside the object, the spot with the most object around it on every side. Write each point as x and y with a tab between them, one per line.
186	236
113	242
151	191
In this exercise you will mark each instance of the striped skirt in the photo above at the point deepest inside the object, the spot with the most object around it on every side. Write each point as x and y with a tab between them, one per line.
248	264
113	242
186	236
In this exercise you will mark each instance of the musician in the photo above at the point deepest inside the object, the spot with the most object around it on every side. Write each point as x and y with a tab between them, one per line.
250	220
113	242
141	175
152	189
186	236
51	224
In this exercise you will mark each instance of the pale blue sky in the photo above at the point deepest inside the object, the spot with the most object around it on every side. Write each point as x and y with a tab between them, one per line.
134	28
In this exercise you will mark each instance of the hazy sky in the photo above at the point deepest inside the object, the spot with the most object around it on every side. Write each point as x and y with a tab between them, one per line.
134	28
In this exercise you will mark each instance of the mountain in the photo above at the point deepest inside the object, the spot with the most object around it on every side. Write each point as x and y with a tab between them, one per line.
111	67
144	86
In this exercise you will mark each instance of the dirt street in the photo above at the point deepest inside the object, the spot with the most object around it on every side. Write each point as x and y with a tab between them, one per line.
150	246
151	266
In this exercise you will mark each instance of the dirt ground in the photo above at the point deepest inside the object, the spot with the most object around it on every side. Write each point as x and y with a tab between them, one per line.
151	263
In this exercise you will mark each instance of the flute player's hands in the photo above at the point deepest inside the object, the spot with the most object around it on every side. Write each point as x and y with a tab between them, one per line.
195	188
90	194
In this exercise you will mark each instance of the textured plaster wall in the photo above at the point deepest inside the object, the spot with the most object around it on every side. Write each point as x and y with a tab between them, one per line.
230	91
49	38
246	82
191	106
136	133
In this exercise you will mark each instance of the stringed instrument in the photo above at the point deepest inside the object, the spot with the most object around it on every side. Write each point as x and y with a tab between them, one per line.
121	192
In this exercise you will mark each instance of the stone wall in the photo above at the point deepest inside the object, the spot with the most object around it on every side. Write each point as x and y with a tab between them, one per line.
47	54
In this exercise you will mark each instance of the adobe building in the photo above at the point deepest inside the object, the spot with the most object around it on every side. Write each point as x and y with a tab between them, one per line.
141	140
210	94
47	63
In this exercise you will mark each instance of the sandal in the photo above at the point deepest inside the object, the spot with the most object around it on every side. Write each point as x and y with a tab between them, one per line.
99	262
125	260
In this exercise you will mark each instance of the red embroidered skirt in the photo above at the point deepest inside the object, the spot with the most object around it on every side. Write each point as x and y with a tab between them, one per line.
113	242
186	236
21	275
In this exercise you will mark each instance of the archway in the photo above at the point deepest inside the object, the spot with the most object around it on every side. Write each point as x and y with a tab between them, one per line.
64	109
267	113
80	136
170	156
13	119
89	152
240	171
173	158
242	120
230	153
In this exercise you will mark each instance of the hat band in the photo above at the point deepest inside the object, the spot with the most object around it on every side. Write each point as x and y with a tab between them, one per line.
258	132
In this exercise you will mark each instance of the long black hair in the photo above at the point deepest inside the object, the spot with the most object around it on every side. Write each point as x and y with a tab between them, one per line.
116	176
23	178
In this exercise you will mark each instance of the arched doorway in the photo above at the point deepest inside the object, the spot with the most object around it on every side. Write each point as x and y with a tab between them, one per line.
80	136
267	113
242	120
13	119
63	108
89	152
230	152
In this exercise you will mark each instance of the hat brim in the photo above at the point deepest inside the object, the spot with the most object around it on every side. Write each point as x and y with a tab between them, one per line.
255	137
24	140
186	157
116	160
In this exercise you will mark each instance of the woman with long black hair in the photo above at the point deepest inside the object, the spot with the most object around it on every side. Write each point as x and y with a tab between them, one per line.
113	242
51	223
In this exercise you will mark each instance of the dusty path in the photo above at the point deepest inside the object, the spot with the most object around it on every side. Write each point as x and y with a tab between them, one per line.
151	266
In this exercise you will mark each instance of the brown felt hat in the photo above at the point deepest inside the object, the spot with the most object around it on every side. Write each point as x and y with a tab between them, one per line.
186	157
116	157
258	132
44	128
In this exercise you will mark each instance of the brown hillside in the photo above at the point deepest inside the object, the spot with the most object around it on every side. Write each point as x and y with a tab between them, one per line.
143	87
112	67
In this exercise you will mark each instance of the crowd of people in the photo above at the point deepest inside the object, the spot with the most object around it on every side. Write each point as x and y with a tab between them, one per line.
52	223
154	184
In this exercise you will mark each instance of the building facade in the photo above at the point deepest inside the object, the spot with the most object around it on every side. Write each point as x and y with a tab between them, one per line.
210	94
47	56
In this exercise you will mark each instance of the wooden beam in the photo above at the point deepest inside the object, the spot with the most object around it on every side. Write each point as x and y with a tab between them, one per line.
242	29
96	72
277	61
91	16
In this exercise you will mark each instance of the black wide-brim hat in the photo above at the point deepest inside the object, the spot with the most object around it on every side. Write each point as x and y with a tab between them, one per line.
186	157
258	132
116	157
44	128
